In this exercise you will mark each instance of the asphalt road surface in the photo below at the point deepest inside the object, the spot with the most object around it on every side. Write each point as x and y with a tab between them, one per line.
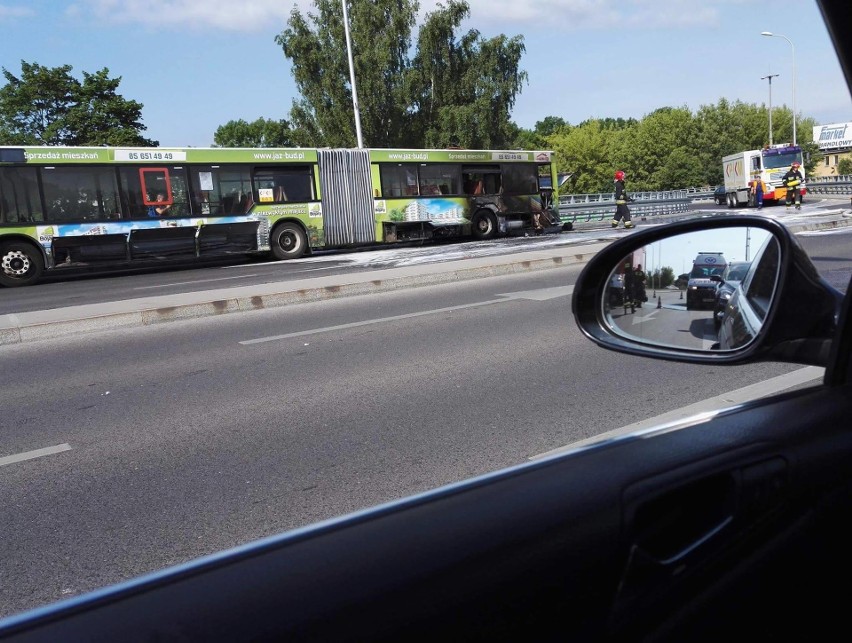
124	452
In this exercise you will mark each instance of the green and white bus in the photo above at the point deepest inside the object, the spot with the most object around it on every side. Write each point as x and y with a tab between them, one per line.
63	207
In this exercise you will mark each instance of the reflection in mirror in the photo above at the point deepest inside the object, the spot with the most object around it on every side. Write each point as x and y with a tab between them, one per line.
709	290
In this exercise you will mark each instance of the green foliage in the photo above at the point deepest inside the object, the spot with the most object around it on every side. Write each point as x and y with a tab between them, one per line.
259	133
664	277
454	89
586	152
670	148
525	139
844	166
48	106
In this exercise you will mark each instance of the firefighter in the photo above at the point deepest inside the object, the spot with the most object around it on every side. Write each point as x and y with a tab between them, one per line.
629	285
639	279
793	180
621	200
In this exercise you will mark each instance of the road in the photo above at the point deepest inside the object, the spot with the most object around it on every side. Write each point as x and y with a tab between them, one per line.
124	452
180	440
81	287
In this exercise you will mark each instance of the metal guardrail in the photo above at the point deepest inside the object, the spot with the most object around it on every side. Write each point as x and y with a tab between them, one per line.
660	195
830	185
576	208
604	210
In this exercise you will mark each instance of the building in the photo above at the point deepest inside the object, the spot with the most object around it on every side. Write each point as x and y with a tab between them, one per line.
835	142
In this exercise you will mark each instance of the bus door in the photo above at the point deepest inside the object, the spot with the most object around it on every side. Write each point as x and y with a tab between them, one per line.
157	197
347	199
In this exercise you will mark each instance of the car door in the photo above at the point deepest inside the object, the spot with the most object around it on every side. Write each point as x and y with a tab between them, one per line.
726	526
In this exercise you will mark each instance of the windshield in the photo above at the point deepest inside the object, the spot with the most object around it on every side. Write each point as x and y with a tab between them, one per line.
699	272
352	290
775	161
736	273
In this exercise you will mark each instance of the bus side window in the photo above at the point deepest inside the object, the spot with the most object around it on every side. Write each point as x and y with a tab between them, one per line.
19	196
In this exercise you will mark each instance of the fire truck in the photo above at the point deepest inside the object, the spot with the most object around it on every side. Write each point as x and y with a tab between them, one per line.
770	164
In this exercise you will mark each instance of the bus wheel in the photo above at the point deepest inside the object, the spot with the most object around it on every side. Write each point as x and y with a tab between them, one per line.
21	264
484	225
288	241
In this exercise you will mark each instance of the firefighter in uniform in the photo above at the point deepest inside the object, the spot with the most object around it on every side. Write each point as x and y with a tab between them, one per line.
621	200
629	285
639	279
793	180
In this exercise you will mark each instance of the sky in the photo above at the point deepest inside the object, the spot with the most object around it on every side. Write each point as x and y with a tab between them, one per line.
197	64
679	252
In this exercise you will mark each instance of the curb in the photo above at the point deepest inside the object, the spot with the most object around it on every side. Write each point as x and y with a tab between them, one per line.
19	331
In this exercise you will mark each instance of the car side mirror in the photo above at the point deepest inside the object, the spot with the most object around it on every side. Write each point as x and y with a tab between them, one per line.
764	319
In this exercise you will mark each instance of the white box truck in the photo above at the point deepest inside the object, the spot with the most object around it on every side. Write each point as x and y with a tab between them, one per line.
770	163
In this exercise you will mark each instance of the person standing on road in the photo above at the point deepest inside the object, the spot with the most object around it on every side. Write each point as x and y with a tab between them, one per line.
792	180
629	289
758	188
621	200
639	280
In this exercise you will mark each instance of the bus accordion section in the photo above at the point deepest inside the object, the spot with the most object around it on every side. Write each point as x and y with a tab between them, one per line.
72	207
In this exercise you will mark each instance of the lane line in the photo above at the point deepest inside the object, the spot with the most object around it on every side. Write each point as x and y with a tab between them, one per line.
31	455
540	295
198	281
707	407
369	322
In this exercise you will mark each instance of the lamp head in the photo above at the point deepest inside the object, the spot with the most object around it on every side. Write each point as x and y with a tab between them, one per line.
766	33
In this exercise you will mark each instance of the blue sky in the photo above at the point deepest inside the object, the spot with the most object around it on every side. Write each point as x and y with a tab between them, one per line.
196	64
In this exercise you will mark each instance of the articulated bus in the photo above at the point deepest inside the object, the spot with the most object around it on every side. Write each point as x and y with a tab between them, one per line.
64	207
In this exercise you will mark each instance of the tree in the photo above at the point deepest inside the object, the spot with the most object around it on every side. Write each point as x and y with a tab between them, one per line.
844	166
258	133
316	44
658	153
455	90
48	106
526	139
464	87
587	153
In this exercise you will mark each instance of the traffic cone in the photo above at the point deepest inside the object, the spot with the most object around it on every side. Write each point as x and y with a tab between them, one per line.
659	302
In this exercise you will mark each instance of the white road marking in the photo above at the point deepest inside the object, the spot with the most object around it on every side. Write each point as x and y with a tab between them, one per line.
31	455
272	263
540	294
704	410
536	295
648	317
184	283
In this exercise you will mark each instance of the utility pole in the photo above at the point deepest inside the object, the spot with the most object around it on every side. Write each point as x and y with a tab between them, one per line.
769	77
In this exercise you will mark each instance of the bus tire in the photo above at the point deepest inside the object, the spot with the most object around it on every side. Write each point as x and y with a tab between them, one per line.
21	264
483	225
288	241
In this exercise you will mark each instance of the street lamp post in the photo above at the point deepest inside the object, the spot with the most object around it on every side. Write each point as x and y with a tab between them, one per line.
352	76
793	50
770	77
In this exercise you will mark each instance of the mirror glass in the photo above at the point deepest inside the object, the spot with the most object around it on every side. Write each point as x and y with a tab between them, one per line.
709	290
